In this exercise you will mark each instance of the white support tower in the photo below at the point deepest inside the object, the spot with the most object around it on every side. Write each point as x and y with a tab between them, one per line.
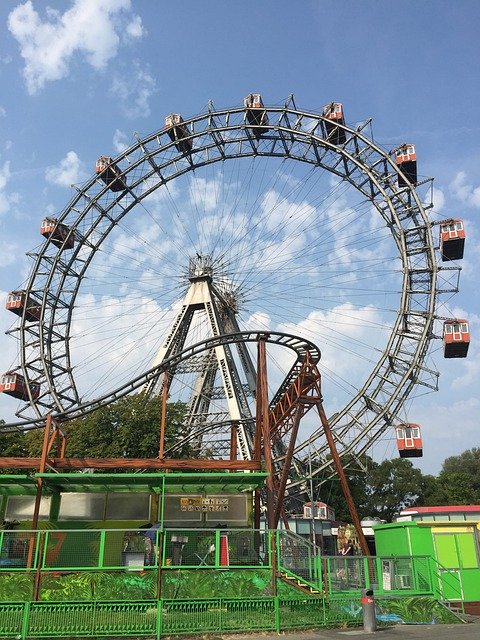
235	372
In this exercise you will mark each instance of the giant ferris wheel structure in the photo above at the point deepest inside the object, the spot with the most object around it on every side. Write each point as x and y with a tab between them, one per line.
247	221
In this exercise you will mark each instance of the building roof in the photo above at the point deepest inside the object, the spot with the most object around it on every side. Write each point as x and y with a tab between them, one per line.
168	482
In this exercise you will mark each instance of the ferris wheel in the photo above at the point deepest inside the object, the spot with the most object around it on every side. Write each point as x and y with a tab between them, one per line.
252	218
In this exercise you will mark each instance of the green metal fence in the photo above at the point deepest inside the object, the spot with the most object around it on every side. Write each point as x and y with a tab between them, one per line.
172	617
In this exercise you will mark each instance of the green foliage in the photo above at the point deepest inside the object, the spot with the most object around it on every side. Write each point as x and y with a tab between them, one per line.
12	444
382	491
199	584
98	585
467	462
392	485
15	587
418	609
128	428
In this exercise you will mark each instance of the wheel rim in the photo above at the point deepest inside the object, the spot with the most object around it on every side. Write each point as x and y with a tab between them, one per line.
153	166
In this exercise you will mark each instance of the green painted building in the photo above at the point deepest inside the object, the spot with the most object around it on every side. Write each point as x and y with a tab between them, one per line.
454	547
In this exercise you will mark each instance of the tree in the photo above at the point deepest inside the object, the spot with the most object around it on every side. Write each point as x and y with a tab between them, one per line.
12	444
331	491
393	485
467	462
128	428
452	488
458	482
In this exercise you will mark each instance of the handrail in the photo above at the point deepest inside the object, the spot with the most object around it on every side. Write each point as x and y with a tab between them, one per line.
444	572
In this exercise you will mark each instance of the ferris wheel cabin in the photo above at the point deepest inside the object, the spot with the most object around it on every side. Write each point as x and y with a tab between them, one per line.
178	132
409	440
58	233
452	239
406	159
333	112
13	384
108	171
18	302
255	113
456	338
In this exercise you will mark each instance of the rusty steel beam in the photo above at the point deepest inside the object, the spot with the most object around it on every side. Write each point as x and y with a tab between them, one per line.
264	419
132	463
343	480
307	381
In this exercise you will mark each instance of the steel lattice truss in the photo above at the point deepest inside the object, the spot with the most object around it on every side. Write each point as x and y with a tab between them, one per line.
219	135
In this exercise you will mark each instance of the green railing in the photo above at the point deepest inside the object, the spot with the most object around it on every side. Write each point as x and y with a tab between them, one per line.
173	617
117	557
447	583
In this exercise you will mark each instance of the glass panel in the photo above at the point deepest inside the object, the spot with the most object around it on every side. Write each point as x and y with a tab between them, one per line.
82	506
128	506
229	508
400	434
182	508
21	508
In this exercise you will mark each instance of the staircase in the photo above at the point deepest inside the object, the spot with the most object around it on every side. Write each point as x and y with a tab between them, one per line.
464	611
298	583
298	563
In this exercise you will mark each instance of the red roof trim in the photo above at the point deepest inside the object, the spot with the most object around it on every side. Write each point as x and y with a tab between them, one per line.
448	509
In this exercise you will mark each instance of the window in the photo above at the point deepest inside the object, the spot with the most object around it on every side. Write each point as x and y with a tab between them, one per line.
21	508
400	434
82	506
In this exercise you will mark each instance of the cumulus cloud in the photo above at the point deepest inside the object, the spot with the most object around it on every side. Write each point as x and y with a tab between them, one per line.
465	192
6	199
438	200
89	28
204	193
8	253
134	89
69	171
120	141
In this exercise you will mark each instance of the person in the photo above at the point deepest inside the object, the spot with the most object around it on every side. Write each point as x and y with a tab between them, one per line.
151	543
347	549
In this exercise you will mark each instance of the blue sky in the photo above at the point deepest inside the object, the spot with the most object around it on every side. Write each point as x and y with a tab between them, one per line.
80	77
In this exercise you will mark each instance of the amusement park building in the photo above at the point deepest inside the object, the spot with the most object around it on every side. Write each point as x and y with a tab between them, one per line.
450	536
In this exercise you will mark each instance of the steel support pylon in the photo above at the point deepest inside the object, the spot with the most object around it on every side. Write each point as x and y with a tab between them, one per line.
237	376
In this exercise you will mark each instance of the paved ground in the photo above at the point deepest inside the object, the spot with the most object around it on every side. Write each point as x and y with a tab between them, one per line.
398	632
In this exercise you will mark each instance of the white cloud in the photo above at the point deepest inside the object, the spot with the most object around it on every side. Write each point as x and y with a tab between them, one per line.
120	141
204	193
8	253
466	193
69	171
134	29
89	27
3	113
5	198
438	200
134	89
